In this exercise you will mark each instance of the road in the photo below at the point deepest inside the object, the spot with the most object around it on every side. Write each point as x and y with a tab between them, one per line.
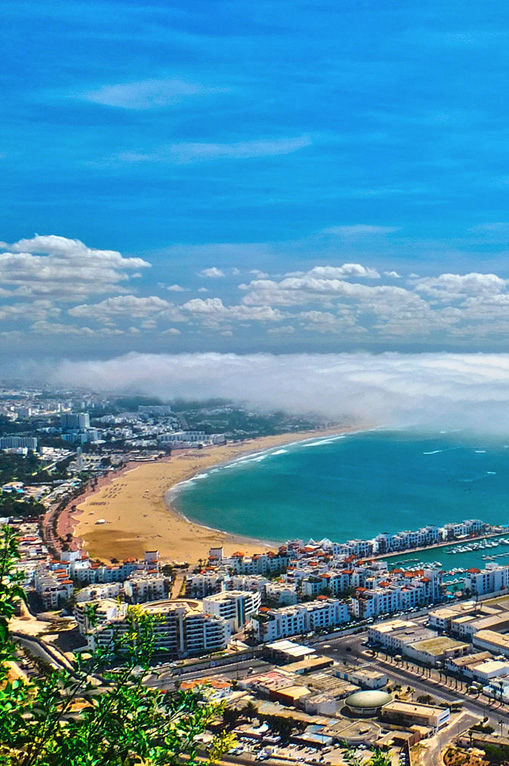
349	647
436	744
34	648
166	678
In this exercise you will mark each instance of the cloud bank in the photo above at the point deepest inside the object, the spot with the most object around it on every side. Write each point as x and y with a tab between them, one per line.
433	390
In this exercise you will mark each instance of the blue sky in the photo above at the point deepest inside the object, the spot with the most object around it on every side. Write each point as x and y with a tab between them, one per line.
269	142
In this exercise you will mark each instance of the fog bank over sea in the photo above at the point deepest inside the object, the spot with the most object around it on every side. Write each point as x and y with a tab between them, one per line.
438	390
355	486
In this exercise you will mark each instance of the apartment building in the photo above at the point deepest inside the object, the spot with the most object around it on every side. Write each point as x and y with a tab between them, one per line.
236	607
332	582
17	442
140	588
204	584
104	610
490	580
281	593
454	530
87	572
400	591
253	583
100	591
263	563
272	624
181	629
53	588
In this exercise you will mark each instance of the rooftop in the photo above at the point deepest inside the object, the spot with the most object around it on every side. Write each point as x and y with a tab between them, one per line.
439	645
497	639
368	699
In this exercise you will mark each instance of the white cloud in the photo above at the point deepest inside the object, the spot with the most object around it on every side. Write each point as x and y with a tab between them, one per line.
213	310
439	390
346	271
52	265
446	306
148	94
283	330
451	286
293	291
34	311
122	305
185	153
212	273
52	328
176	289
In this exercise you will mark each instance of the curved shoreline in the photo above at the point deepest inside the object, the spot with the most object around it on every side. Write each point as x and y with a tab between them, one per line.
139	516
174	491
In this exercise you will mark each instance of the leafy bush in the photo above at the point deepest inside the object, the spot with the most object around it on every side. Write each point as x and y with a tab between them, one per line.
87	716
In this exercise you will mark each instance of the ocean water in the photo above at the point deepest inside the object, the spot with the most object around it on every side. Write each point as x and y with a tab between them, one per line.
357	486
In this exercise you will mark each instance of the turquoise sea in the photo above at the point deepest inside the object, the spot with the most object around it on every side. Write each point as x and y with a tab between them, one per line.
358	485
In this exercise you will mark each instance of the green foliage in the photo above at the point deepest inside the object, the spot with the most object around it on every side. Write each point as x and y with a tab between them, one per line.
378	758
426	699
496	754
86	715
18	467
12	505
10	592
30	469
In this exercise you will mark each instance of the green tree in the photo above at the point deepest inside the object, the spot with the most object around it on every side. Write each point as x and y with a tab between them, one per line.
379	758
88	715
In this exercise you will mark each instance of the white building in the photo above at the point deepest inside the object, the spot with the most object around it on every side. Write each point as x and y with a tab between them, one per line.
332	583
272	624
104	610
490	580
261	563
283	594
247	582
100	591
144	587
236	607
204	584
53	587
181	629
15	442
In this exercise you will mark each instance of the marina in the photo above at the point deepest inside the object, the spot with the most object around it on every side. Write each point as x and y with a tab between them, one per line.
456	560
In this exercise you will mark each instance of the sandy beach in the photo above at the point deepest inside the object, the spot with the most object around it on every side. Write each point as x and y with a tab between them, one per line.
137	518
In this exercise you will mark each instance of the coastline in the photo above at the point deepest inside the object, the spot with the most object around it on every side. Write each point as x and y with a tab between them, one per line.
136	505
